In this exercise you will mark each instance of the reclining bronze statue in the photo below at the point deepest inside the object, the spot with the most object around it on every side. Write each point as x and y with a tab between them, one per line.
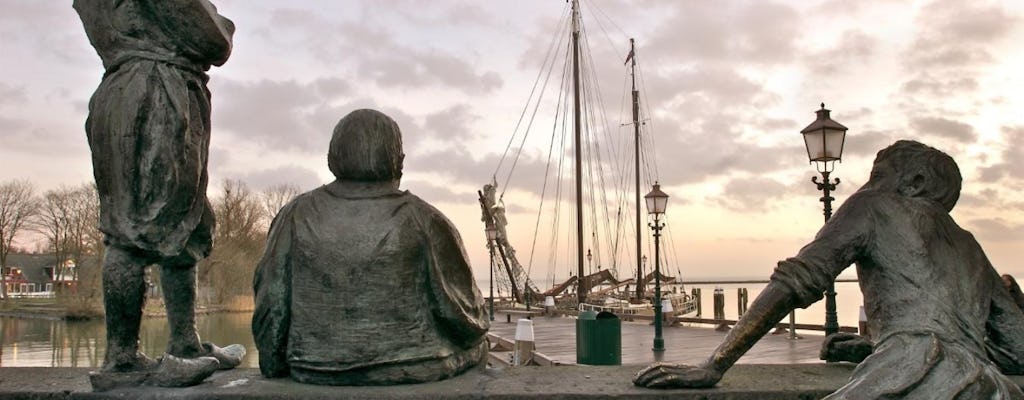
362	283
944	325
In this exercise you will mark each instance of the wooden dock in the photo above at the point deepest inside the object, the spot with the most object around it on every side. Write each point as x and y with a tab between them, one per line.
691	344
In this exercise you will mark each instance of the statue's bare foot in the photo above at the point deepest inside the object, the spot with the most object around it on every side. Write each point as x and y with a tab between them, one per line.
666	376
180	372
228	356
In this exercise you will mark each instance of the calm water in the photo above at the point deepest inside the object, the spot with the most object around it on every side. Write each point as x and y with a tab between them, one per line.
47	343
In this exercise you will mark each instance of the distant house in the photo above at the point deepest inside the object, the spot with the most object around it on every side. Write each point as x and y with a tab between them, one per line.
37	275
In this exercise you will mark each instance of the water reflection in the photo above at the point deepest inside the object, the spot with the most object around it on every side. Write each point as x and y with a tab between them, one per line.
55	343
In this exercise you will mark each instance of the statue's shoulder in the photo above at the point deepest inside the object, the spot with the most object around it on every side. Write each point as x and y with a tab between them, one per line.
421	209
299	205
875	200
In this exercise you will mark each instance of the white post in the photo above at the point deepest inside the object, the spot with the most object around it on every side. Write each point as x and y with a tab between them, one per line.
522	354
862	324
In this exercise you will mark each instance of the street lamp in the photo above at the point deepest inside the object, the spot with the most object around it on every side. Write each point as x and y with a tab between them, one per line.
824	139
492	237
656	203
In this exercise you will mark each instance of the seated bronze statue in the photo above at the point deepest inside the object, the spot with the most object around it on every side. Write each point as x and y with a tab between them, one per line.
362	283
944	325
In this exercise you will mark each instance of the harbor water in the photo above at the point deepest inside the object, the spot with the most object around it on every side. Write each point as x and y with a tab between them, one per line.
31	342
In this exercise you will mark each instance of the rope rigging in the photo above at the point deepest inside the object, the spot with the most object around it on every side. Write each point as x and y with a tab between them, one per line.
607	167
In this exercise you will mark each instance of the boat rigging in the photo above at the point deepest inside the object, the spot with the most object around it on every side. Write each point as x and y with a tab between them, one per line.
598	219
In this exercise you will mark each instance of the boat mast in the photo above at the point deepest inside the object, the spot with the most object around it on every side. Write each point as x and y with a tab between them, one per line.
636	158
581	289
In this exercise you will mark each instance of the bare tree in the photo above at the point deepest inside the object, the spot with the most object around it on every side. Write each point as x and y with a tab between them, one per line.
238	243
18	205
84	247
68	218
52	222
275	197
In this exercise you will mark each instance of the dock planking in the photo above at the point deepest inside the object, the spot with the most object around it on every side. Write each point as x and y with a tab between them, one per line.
690	344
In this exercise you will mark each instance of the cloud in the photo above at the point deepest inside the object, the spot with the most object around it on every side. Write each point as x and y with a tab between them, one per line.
954	43
996	229
63	40
303	178
710	32
464	13
11	95
929	84
434	193
371	49
855	47
452	124
752	194
944	128
1011	159
957	34
866	144
286	115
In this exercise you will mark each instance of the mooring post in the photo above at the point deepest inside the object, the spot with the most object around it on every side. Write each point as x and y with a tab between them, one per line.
522	352
719	299
741	301
695	293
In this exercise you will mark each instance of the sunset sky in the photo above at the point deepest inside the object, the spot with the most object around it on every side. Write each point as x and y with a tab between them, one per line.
729	86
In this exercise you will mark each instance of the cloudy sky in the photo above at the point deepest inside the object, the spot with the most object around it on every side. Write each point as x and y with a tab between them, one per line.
728	84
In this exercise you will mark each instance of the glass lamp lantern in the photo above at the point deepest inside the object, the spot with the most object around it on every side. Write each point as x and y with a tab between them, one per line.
657	201
824	139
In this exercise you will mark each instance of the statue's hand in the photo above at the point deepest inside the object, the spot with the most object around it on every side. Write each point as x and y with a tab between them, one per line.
845	347
665	376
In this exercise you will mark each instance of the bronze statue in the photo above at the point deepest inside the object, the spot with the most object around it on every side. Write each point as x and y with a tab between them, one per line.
944	325
1011	285
149	132
362	283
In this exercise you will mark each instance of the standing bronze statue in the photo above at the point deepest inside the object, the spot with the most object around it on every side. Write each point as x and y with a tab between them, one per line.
363	283
149	132
943	323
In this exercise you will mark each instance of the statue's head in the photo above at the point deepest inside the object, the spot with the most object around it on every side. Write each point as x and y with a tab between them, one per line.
916	170
366	146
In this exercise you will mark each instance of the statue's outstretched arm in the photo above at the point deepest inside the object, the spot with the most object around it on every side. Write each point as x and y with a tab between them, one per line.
770	307
797	282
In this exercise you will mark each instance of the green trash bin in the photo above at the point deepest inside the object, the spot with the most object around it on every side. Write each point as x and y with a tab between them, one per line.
598	338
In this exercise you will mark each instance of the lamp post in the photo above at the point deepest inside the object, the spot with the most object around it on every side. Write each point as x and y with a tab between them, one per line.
824	139
656	203
492	236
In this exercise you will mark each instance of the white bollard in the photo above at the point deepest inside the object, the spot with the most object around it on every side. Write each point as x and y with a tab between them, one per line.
862	323
666	306
549	305
522	354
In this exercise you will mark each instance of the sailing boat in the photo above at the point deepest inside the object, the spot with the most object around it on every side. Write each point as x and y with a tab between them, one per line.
600	288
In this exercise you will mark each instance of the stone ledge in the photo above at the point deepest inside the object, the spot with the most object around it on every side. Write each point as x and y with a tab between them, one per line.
744	381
